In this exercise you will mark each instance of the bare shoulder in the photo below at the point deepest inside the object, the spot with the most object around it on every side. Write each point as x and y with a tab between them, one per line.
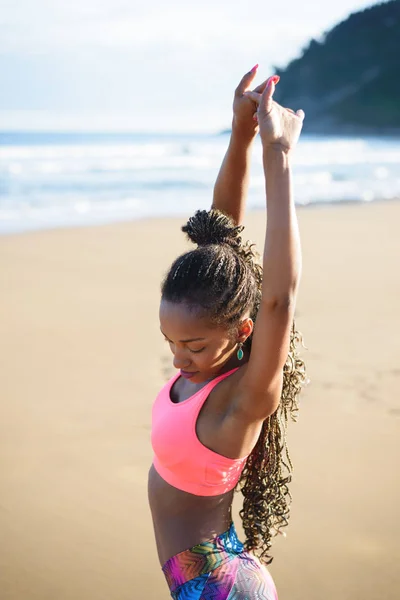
259	389
226	390
221	426
232	395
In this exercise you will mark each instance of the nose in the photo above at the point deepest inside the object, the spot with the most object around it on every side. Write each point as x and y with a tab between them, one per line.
181	361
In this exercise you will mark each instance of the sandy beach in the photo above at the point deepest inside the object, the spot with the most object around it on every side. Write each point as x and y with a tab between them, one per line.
81	359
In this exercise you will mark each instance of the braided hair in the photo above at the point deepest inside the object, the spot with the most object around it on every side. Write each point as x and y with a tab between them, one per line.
222	278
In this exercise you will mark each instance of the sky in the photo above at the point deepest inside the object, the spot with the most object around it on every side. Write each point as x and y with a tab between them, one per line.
145	66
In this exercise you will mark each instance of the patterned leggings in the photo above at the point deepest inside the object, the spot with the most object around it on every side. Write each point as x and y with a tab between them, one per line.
219	569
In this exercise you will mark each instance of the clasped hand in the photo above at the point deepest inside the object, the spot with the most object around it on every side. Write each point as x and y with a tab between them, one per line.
278	126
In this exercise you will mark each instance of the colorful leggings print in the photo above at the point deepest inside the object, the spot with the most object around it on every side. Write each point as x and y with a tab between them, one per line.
219	569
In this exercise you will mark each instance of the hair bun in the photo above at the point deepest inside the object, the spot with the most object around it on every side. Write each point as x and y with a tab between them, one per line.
213	227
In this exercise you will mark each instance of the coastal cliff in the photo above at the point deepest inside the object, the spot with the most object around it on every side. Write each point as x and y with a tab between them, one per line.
349	82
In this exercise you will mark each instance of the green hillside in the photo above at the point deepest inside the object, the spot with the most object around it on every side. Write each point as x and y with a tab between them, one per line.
350	80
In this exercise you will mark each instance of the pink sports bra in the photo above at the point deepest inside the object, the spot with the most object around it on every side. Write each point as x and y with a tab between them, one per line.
179	456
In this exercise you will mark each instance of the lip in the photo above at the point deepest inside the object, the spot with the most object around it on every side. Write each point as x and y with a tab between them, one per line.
188	374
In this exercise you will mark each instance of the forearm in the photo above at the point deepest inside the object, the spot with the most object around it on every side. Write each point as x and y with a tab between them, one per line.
282	251
231	186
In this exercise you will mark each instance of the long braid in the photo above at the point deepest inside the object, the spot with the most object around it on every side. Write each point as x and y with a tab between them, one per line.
268	470
223	278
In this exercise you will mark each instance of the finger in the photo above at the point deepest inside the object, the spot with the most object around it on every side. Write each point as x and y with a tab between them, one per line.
253	96
266	98
255	117
246	80
300	113
260	88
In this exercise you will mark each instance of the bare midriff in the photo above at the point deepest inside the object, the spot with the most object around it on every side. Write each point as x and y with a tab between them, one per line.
182	520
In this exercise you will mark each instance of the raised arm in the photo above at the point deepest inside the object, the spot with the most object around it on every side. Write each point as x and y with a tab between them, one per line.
231	186
261	386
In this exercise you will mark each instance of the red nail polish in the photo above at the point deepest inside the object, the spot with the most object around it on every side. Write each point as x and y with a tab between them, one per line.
275	78
254	68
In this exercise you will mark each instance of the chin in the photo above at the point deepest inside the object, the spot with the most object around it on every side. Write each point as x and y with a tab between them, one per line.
199	377
202	376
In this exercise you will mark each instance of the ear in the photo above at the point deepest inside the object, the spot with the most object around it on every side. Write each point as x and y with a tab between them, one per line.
245	329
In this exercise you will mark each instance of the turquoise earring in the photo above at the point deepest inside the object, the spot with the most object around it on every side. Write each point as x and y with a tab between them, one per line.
240	352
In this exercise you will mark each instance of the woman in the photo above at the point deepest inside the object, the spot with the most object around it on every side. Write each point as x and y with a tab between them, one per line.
220	422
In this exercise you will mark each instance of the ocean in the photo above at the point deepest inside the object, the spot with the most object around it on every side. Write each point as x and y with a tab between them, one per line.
50	180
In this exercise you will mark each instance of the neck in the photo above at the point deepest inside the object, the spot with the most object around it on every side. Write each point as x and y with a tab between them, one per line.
233	362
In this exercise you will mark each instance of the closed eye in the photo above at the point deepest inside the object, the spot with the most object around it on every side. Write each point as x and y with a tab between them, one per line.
192	351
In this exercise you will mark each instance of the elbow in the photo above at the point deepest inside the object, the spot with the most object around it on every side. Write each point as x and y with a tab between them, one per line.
282	298
286	302
281	303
